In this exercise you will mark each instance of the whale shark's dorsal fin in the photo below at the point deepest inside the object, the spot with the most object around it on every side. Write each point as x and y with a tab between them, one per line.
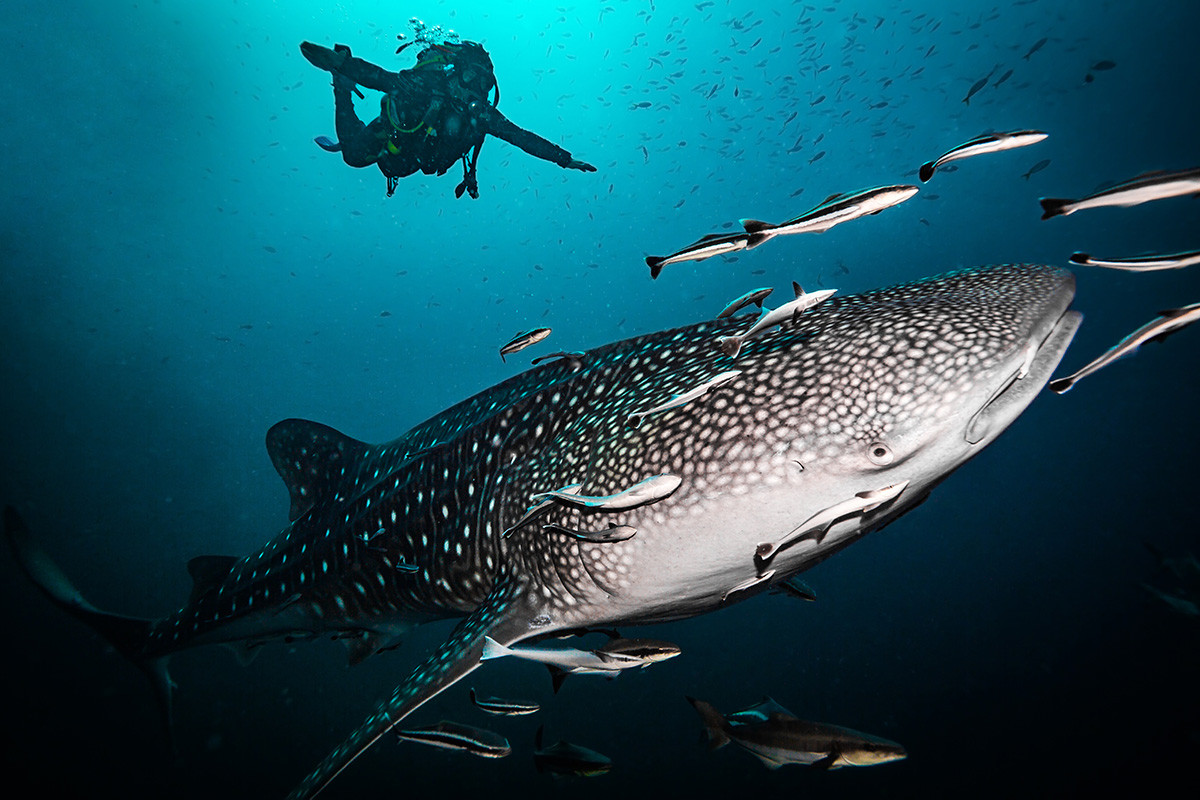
507	616
311	458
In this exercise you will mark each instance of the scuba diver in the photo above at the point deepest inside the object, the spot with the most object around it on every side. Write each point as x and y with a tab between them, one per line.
432	114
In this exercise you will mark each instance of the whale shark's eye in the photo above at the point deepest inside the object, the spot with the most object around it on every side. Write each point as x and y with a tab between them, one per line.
879	453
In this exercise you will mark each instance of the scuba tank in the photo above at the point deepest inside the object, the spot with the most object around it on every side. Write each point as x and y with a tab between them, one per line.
460	75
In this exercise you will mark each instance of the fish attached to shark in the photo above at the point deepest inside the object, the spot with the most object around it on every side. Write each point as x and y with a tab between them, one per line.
900	385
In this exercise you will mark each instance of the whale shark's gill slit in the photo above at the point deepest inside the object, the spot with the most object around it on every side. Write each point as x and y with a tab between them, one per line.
587	568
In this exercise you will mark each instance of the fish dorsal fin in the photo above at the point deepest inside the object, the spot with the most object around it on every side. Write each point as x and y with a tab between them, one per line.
557	676
798	290
207	573
832	197
505	616
770	707
311	458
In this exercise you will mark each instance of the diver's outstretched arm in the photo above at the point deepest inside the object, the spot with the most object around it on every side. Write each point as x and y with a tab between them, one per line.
501	127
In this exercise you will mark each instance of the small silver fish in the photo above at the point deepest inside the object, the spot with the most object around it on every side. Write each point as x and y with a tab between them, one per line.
522	340
836	209
1166	323
714	244
755	296
650	490
1142	189
683	399
613	533
500	707
455	736
988	143
1140	263
819	523
732	345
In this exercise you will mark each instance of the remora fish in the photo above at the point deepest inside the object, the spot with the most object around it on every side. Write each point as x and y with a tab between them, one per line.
714	244
455	736
613	533
818	524
859	365
685	398
1142	189
1140	263
539	507
781	739
1159	328
732	345
836	209
987	143
649	490
564	758
523	340
512	708
614	656
755	296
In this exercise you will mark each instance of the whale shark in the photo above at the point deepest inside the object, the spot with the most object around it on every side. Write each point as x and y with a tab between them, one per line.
894	387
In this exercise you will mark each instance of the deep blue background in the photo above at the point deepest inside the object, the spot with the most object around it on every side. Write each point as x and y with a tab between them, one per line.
180	267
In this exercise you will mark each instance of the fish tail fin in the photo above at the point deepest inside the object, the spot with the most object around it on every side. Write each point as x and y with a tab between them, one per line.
493	649
730	345
755	225
1080	258
1054	206
926	171
714	724
128	635
1061	385
655	263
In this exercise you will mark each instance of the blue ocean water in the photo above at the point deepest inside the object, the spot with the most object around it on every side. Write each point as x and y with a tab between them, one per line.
182	267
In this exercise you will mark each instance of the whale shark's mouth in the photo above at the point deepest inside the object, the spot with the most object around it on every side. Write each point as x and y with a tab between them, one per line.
1039	358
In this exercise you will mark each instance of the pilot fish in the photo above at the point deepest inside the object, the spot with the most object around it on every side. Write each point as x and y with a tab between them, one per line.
900	384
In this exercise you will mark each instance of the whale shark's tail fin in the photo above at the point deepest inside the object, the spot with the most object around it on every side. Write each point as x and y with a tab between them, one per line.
127	634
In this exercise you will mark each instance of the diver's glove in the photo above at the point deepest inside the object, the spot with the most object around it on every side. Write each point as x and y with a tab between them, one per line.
582	166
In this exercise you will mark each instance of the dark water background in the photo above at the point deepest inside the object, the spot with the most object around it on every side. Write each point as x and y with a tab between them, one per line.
180	267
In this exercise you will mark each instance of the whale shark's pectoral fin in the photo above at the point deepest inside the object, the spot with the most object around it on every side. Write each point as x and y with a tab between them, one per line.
506	616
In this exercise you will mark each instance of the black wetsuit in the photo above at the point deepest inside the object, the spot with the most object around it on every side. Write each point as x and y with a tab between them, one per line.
442	122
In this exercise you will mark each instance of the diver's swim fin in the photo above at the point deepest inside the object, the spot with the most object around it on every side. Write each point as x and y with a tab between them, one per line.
324	58
328	145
